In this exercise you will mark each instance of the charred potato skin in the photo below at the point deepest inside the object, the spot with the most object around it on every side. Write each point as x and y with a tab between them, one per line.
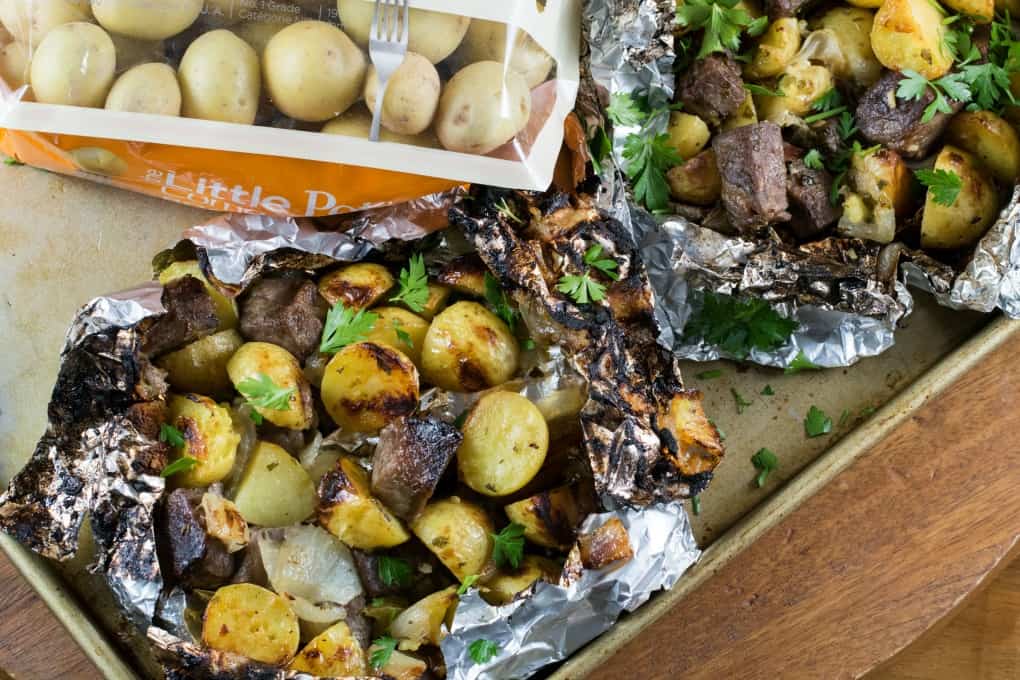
608	544
696	181
549	518
971	214
367	385
249	620
348	510
991	139
332	653
459	533
392	319
253	358
691	441
468	348
357	286
209	438
201	366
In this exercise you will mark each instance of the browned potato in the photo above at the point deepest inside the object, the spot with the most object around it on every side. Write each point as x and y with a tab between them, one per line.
694	445
402	666
851	27
697	181
776	48
333	653
550	518
274	490
438	294
459	533
422	622
465	275
468	348
991	139
257	360
357	286
400	329
968	218
367	385
981	10
201	366
349	511
909	34
252	621
880	191
688	134
506	584
209	438
223	521
505	442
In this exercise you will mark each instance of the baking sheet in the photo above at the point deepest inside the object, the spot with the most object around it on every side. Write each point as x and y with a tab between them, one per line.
55	230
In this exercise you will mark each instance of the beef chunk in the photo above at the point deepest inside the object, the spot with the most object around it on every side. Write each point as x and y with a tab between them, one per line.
291	441
193	556
712	88
285	311
777	9
883	118
190	315
808	190
823	135
409	461
750	160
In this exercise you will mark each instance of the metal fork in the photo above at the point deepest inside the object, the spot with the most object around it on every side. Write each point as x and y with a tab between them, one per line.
387	47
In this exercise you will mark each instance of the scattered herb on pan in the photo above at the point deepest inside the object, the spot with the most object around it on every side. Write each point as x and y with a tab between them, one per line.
844	417
344	326
593	258
171	435
816	423
722	21
765	461
498	301
381	651
739	400
182	464
763	91
581	288
738	326
800	363
414	284
394	571
12	162
768	391
867	411
508	545
709	375
696	505
483	651
467	583
828	105
261	391
944	185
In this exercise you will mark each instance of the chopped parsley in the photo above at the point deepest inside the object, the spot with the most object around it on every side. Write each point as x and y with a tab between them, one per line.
816	423
467	583
696	505
738	326
581	288
944	185
950	86
844	417
813	159
593	258
765	461
763	91
498	301
262	392
709	375
414	284
739	401
504	209
182	464
722	435
508	545
381	651
344	326
12	162
800	363
828	105
600	147
483	651
394	571
768	391
527	344
402	335
171	435
722	21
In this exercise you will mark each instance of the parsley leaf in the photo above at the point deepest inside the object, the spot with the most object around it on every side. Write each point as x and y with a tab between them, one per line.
766	462
467	583
648	158
738	326
402	335
582	289
914	86
261	391
499	302
624	110
381	651
845	127
256	417
989	83
508	545
800	363
171	435
483	651
696	505
394	571
813	159
527	344
722	21
344	326
832	99
944	185
605	265
601	148
709	375
739	400
414	284
768	391
182	464
816	423
844	417
763	91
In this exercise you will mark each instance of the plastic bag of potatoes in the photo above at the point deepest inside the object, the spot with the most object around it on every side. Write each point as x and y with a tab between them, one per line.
265	106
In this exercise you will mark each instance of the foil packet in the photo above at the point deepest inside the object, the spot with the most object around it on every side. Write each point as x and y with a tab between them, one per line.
100	463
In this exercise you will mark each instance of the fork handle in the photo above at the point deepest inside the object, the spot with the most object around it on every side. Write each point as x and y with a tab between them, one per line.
377	116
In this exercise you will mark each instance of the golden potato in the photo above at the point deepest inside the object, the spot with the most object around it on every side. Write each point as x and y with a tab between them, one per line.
402	666
549	518
696	181
981	11
357	286
349	511
274	490
459	533
869	4
357	122
688	134
224	522
226	308
505	442
507	583
991	139
745	115
333	653
367	385
412	95
974	210
851	27
909	34
486	41
801	85
249	620
465	275
880	188
255	361
401	330
422	622
775	49
438	294
468	348
201	366
209	438
434	35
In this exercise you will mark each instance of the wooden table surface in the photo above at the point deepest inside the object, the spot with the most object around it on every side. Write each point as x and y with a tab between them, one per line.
884	555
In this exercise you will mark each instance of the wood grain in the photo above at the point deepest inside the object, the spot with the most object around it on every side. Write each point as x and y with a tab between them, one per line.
871	562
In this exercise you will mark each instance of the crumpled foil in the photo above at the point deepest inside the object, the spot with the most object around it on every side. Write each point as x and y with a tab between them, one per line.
92	460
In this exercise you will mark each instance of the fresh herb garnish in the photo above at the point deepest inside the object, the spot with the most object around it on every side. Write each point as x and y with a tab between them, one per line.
845	126
844	417
950	86
600	148
527	344
624	110
800	363
582	289
696	505
394	571
261	391
944	185
171	435
458	422
182	464
648	158
402	335
593	258
344	326
499	302
483	651
466	584
504	209
708	375
765	461
867	411
722	21
508	545
382	650
739	401
957	41
813	160
763	91
829	101
414	284
256	417
738	326
816	423
768	391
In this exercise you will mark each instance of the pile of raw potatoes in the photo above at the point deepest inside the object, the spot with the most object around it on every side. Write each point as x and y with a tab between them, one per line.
254	61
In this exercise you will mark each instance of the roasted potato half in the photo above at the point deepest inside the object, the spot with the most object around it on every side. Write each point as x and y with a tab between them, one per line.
400	666
776	48
226	308
506	584
880	191
910	34
459	533
422	622
747	114
256	360
367	385
401	330
357	286
505	443
697	180
332	653
549	518
802	84
224	522
274	490
201	366
688	134
974	210
209	438
465	274
438	294
348	510
249	620
991	139
468	348
851	27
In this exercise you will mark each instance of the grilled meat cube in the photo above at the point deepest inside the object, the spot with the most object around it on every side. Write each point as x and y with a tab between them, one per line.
808	191
194	557
712	88
750	160
883	118
409	461
190	315
285	311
